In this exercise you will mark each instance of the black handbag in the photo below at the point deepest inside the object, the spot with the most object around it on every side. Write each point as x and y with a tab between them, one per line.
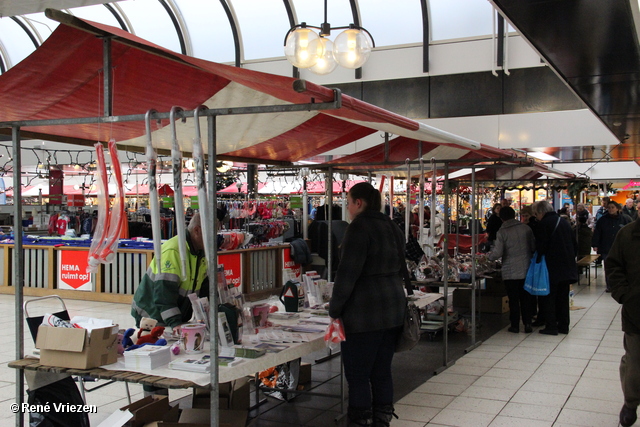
410	334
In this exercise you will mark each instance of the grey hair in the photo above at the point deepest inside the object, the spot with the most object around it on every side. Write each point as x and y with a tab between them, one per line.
542	207
195	222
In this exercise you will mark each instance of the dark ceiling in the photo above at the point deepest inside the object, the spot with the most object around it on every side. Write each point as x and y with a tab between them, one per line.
593	46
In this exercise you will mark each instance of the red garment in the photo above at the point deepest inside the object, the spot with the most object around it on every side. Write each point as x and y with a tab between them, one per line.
61	226
53	224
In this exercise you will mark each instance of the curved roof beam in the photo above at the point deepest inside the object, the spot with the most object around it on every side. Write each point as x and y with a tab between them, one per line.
117	14
176	25
425	36
3	55
184	29
235	29
26	29
125	18
355	11
291	14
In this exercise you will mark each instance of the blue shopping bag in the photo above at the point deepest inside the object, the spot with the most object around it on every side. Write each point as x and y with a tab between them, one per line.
537	280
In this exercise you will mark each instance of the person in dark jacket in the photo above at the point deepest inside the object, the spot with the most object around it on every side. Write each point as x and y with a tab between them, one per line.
556	241
606	229
494	223
623	274
630	210
584	234
368	296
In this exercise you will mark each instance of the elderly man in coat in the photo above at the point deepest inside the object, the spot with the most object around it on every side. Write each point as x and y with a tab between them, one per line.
515	244
622	268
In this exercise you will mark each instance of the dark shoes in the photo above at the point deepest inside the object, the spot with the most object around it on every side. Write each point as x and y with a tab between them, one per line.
628	416
538	323
547	331
563	331
514	329
528	329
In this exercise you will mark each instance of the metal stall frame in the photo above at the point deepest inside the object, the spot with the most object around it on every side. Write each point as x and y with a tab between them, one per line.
211	115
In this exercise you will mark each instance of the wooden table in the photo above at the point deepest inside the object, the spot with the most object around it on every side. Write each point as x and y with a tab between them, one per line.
586	261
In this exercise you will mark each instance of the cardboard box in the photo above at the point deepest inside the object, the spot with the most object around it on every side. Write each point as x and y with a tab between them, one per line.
485	303
494	303
170	417
495	285
76	348
148	409
233	395
200	417
305	373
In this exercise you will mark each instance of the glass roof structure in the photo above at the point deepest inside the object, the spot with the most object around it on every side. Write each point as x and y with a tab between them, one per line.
241	31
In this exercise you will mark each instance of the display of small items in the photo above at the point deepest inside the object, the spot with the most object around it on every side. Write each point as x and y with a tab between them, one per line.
459	267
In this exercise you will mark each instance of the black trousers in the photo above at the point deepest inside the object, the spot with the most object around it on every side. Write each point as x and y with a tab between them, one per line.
519	302
555	307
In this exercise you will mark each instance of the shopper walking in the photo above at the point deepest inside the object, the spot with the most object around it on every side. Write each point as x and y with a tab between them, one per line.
515	245
556	241
630	209
368	296
622	268
605	232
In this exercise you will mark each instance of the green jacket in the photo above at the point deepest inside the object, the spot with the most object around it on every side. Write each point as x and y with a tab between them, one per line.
164	296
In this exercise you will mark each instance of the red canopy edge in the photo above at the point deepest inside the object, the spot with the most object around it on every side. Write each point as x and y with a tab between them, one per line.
62	79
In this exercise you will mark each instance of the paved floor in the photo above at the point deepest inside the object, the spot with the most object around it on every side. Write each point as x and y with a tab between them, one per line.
511	379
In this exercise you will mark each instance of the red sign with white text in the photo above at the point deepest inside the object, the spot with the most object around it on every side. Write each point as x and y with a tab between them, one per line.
232	268
289	264
72	271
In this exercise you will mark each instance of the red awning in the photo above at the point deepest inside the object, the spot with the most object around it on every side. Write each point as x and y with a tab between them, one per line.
63	79
401	148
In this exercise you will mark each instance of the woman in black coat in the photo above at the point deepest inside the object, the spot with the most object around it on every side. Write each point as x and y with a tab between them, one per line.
368	296
556	241
494	223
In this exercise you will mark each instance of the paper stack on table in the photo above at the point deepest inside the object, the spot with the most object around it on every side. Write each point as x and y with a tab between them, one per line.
147	357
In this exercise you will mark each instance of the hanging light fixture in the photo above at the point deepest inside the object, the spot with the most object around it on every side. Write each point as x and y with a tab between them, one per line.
306	49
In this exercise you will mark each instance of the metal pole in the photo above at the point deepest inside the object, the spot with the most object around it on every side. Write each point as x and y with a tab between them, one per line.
407	209
213	271
445	276
457	220
106	72
433	205
474	245
421	203
305	209
18	268
329	191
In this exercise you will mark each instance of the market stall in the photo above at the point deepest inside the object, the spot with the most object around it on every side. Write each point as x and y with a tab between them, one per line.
250	115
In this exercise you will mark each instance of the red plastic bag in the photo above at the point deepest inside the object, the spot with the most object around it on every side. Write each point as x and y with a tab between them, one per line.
334	334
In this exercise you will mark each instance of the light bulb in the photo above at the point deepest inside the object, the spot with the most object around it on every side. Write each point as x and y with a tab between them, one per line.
298	49
351	48
326	62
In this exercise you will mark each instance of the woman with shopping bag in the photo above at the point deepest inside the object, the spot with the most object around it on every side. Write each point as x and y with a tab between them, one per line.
557	243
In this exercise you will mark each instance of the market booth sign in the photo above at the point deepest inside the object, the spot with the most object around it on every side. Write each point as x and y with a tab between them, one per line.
232	268
72	271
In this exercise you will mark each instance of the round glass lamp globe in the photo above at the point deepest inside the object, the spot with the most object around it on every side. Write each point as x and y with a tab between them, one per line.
297	48
326	62
351	48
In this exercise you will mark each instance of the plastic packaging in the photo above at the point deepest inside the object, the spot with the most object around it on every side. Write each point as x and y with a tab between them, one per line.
110	245
53	320
103	211
334	334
